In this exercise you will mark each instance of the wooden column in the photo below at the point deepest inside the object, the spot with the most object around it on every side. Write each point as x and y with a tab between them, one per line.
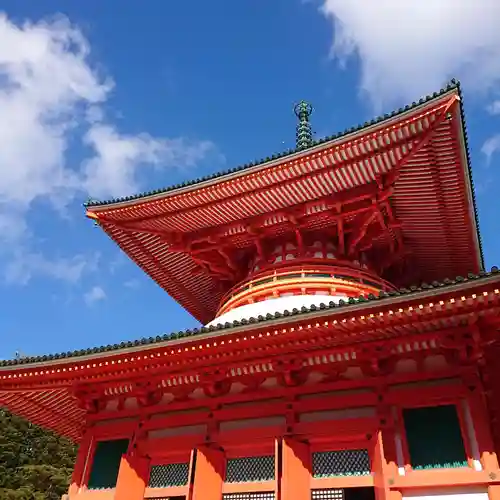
380	468
482	430
208	474
391	471
494	492
480	419
132	478
387	426
81	464
296	470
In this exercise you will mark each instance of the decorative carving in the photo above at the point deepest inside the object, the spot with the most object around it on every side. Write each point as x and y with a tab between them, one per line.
217	388
252	382
215	383
149	397
90	401
290	372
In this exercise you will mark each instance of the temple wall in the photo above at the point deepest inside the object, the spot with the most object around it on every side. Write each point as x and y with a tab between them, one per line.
472	493
345	435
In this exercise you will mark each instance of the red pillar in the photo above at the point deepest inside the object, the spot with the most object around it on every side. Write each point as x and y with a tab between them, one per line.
494	492
132	478
482	430
82	462
296	470
380	468
208	474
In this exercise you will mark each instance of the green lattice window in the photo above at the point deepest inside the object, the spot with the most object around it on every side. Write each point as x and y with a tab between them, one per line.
107	458
250	469
340	463
434	437
168	475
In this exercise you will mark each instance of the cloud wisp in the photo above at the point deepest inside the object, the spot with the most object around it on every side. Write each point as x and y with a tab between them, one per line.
51	96
409	48
95	294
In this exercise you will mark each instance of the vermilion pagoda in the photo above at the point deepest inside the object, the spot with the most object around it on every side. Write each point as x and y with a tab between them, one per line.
323	372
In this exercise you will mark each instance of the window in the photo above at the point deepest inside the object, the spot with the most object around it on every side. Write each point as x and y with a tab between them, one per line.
250	469
168	475
434	437
107	458
340	463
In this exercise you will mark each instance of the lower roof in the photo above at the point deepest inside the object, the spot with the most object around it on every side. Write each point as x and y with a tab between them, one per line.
44	389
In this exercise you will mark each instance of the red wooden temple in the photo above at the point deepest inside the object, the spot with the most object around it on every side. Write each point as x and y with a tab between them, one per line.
351	348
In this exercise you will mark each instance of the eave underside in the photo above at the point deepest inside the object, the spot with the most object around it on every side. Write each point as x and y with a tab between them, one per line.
53	395
419	157
55	409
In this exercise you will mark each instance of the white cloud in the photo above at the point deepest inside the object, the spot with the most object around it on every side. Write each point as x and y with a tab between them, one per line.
24	265
95	294
113	169
494	108
44	79
50	96
491	146
131	284
409	48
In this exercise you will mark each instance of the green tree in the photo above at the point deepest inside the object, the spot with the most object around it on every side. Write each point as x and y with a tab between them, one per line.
35	464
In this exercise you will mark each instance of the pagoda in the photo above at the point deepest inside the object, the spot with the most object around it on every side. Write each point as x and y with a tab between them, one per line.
351	341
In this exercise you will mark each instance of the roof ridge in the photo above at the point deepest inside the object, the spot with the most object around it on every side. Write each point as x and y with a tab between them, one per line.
453	84
412	290
469	172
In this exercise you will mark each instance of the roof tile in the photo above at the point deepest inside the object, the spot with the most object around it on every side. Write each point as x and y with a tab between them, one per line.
269	317
453	84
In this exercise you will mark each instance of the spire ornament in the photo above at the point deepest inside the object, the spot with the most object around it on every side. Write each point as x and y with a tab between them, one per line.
303	136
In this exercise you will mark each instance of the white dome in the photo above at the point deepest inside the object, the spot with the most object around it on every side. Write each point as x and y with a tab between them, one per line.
272	306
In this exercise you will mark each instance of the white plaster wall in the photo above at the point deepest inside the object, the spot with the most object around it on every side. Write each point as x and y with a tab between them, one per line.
272	306
448	494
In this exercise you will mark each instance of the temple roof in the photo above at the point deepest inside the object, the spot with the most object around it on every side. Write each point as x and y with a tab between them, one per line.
416	156
146	342
54	391
453	85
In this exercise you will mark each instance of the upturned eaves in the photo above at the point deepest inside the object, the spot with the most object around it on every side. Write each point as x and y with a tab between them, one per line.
115	348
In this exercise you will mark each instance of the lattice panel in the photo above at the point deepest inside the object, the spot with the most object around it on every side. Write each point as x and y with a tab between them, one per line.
327	495
249	496
165	476
250	469
341	463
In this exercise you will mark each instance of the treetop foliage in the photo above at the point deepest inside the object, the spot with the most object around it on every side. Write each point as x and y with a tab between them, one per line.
35	464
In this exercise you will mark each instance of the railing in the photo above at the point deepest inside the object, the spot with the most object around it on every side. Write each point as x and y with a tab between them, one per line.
329	274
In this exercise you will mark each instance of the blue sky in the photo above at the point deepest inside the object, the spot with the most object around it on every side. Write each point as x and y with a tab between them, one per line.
100	100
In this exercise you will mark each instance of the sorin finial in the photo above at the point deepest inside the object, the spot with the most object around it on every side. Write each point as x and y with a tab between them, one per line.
303	111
